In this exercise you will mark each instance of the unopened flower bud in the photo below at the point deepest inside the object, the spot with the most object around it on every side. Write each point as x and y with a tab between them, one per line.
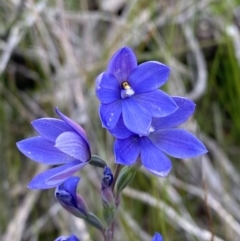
125	177
97	161
109	207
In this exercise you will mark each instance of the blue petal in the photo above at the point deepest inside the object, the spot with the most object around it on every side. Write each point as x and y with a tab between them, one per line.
157	102
73	238
154	160
136	118
108	89
55	176
110	113
185	109
73	145
122	63
70	186
157	237
178	143
70	238
74	125
126	151
61	238
148	76
98	81
50	128
43	151
120	131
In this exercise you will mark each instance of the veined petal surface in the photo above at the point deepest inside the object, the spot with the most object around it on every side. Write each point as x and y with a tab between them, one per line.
122	63
41	150
73	145
185	109
108	89
178	143
120	131
153	159
50	128
148	76
55	176
126	151
110	113
157	102
73	124
136	118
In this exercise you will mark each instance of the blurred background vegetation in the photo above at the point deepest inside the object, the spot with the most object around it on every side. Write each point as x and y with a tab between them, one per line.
50	54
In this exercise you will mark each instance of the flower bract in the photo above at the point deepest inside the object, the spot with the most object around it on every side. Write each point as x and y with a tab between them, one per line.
163	138
130	91
60	142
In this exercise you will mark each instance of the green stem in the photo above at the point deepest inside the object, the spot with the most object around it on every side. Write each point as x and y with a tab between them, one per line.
117	171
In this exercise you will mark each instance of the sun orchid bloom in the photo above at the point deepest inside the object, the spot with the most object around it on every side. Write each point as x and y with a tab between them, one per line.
163	138
61	142
157	237
69	238
131	91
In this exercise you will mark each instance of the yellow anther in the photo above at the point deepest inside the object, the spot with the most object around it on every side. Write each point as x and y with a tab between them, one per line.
125	85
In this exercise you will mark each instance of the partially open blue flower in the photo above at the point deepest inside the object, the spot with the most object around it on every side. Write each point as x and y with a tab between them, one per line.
67	238
60	142
67	196
163	137
157	237
131	91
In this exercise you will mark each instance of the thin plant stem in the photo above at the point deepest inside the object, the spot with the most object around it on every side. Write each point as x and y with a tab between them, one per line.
117	171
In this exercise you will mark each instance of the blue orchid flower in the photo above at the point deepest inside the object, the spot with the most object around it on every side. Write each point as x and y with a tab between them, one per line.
131	91
60	142
163	138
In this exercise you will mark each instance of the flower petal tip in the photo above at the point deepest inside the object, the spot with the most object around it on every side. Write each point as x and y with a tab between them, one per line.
157	237
162	174
18	145
56	109
122	63
203	151
32	187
